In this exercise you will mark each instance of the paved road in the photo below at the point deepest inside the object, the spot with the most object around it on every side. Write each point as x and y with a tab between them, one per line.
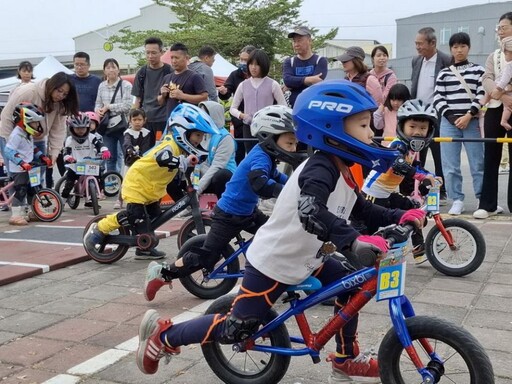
79	323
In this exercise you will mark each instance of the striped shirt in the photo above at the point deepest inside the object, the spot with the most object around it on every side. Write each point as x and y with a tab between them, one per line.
123	101
451	97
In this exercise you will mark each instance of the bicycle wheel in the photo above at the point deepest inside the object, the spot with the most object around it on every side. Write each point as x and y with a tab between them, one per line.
112	183
107	253
189	230
94	197
47	205
247	366
73	200
464	358
468	256
196	284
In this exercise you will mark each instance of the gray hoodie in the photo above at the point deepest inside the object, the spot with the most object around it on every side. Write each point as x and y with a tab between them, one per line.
224	150
206	72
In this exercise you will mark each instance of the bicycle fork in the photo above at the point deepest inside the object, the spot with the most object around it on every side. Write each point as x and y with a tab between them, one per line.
401	308
446	234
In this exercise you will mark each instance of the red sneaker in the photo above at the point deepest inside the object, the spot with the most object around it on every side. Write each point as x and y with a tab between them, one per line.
154	280
151	349
360	366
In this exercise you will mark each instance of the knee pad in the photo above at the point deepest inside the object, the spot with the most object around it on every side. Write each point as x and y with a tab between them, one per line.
236	330
21	191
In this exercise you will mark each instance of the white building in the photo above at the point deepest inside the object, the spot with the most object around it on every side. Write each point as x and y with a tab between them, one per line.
154	17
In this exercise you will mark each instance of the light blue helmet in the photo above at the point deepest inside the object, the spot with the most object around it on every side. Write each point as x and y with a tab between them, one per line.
187	118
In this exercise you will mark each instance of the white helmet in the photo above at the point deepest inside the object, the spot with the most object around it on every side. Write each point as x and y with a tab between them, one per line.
270	122
416	109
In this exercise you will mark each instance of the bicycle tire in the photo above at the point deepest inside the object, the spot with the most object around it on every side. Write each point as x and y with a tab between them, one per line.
447	339
47	213
224	367
189	230
195	284
111	252
112	182
73	201
456	263
94	197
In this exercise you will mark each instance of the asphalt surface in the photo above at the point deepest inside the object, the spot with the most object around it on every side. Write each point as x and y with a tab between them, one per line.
77	321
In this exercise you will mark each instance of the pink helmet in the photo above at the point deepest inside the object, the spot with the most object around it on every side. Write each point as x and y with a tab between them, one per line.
93	116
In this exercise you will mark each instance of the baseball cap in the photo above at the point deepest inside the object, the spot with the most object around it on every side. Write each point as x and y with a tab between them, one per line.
352	53
302	31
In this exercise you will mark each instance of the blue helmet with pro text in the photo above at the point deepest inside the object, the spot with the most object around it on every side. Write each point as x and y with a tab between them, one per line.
320	112
187	118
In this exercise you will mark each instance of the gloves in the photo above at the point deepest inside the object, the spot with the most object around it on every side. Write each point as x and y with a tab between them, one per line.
26	166
105	155
46	160
374	243
69	159
411	215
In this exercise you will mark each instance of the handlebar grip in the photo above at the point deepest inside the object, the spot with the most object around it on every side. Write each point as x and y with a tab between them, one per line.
367	257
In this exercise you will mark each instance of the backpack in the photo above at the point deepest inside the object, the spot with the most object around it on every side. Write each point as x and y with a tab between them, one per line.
141	77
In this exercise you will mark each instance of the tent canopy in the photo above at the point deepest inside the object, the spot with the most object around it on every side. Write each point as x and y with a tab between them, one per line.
46	68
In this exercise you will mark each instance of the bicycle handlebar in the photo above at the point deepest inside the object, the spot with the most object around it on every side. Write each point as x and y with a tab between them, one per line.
393	234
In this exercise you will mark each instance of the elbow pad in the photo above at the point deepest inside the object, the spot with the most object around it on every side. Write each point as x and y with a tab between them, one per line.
308	210
165	158
400	167
259	183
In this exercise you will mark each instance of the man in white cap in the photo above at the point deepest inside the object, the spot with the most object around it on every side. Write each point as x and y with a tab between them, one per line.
305	68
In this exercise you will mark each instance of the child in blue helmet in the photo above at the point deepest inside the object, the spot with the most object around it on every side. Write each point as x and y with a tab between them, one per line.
313	207
146	180
237	210
217	163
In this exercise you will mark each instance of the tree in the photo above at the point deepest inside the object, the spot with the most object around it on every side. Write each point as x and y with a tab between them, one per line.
227	26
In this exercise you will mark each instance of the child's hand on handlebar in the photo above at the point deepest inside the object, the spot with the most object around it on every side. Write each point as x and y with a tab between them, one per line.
192	160
46	160
105	155
364	244
26	166
69	159
414	216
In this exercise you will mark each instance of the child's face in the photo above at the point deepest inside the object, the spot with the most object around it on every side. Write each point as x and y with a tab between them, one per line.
93	126
415	128
80	131
358	126
25	75
395	104
287	141
137	122
254	69
196	137
459	52
36	126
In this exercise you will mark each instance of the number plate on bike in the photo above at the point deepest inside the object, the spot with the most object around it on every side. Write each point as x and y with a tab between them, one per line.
391	279
433	201
34	176
88	169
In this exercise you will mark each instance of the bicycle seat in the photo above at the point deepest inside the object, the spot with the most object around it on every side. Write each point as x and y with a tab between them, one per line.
310	284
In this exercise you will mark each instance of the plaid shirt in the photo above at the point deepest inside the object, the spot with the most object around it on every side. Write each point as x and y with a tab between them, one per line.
123	101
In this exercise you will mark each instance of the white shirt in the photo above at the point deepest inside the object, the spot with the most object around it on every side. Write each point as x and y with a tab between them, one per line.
426	81
282	249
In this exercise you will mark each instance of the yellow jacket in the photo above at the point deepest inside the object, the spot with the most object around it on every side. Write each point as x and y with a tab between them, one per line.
145	180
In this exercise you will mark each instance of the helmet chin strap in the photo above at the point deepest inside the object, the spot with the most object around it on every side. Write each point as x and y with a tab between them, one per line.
417	145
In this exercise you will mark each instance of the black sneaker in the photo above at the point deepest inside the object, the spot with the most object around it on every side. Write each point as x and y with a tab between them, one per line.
150	254
443	199
88	204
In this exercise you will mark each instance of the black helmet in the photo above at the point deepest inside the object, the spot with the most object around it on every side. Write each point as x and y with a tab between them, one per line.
417	110
79	121
270	122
